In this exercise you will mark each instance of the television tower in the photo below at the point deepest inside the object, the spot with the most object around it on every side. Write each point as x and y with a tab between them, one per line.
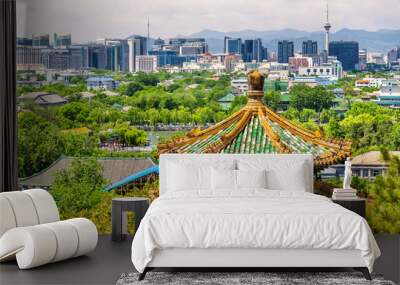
148	35
327	27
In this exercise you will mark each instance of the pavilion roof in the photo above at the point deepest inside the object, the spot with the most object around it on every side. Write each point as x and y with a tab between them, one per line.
256	129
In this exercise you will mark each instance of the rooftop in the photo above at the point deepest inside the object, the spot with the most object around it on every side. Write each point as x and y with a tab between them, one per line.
372	158
114	169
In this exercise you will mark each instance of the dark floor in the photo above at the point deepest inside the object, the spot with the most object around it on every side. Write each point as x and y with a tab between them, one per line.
103	266
111	259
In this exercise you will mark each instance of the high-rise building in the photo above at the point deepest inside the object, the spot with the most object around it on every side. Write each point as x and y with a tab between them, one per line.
146	63
232	45
362	59
41	40
285	50
310	48
137	46
114	55
97	56
393	55
62	40
253	50
28	55
77	57
188	46
58	59
347	52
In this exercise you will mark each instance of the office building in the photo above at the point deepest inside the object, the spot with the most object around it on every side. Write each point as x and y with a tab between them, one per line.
41	40
113	55
28	55
253	50
188	46
62	40
393	55
310	48
232	45
146	63
191	49
56	59
97	56
362	59
285	50
136	46
347	53
77	57
167	57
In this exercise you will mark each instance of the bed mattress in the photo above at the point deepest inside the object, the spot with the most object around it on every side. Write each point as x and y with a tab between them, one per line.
250	219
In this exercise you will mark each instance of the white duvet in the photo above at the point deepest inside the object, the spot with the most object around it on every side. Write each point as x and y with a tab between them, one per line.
250	219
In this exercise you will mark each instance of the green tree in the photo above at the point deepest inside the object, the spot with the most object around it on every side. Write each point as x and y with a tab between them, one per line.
132	88
135	137
316	98
384	210
78	188
38	144
272	99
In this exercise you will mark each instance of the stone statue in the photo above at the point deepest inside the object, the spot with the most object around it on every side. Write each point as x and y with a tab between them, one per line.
255	81
347	174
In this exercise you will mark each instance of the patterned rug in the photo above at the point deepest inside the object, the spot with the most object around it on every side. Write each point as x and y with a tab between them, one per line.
244	278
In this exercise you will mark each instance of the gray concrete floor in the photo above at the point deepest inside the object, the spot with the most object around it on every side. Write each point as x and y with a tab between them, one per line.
103	266
110	259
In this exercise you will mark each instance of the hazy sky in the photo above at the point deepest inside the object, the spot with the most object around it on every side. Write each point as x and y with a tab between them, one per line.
91	19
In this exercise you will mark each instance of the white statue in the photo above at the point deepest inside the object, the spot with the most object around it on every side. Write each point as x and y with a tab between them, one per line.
347	174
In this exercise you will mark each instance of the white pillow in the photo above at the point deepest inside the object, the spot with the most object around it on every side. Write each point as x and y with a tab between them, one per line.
223	179
251	178
188	175
183	177
289	175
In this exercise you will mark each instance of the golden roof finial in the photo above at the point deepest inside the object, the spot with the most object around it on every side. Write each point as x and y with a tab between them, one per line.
255	80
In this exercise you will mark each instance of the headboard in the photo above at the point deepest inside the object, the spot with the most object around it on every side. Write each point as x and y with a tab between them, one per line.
265	160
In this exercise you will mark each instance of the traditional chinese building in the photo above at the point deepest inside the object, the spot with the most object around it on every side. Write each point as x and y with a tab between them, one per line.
257	129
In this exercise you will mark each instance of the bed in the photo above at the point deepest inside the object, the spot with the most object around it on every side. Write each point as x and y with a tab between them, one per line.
246	211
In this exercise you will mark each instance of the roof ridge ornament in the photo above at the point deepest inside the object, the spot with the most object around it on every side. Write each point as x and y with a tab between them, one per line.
255	81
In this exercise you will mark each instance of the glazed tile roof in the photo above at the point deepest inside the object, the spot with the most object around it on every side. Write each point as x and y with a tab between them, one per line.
257	129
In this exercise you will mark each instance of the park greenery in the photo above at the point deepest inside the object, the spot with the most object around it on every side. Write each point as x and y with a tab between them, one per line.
185	100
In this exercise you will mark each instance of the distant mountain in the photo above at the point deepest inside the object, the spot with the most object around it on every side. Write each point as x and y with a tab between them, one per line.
380	41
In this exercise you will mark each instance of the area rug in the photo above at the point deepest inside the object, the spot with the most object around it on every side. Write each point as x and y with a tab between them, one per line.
244	278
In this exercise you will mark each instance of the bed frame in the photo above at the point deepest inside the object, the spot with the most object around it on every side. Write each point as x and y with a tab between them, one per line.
246	259
242	259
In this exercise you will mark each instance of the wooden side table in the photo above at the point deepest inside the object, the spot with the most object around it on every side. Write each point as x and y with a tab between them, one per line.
356	205
120	207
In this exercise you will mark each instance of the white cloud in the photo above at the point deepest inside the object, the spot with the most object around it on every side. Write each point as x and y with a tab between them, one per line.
91	19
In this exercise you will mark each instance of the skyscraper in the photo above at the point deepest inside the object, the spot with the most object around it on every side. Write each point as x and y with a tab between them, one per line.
327	27
310	48
285	50
346	52
137	46
232	45
253	50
